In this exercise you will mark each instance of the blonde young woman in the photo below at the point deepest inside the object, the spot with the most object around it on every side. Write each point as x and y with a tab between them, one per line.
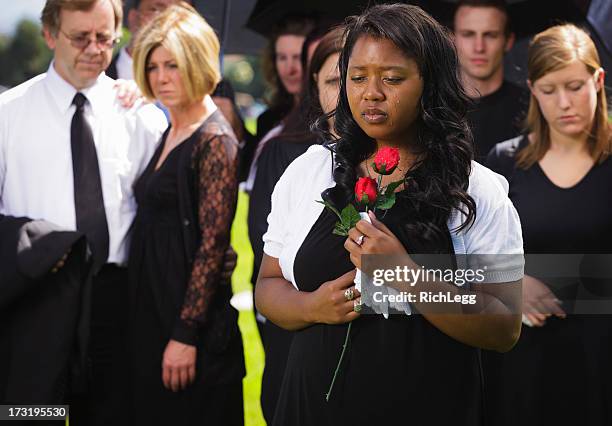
560	177
186	360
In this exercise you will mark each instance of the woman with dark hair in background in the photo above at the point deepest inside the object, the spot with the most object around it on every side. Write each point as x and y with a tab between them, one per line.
282	70
399	88
560	176
319	96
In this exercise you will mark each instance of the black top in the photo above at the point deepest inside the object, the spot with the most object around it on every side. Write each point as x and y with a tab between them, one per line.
400	370
559	373
266	121
269	119
157	261
575	220
497	117
558	220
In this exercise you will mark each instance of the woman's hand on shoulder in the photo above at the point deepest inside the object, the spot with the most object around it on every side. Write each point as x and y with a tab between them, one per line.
372	238
128	93
329	303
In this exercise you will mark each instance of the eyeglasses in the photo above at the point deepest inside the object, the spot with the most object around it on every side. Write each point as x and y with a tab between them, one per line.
82	41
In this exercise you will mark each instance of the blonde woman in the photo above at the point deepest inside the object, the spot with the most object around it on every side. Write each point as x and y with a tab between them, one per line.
185	347
560	176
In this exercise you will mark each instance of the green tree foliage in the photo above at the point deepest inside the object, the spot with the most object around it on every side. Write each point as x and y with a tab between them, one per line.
244	72
24	55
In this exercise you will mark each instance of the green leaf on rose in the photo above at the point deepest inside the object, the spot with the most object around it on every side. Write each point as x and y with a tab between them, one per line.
386	202
349	216
339	230
331	207
390	189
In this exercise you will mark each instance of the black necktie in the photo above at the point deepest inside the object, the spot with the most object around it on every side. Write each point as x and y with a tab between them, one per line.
88	199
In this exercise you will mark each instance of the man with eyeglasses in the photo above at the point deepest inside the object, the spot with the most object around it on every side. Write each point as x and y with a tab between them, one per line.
69	154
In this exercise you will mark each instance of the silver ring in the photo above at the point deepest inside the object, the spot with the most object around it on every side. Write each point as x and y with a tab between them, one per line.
349	294
357	306
360	240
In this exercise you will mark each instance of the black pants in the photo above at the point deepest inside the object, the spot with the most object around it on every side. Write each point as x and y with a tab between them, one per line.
104	403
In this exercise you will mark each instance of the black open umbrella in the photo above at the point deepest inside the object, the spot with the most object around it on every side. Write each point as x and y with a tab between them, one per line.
268	13
528	16
228	18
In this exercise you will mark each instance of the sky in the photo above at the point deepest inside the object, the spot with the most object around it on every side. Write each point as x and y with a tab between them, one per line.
14	10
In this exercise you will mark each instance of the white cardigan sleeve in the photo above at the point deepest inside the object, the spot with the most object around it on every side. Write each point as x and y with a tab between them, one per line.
274	238
294	206
495	238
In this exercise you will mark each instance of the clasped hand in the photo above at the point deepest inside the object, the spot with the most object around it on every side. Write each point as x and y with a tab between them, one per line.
329	305
377	239
539	302
178	365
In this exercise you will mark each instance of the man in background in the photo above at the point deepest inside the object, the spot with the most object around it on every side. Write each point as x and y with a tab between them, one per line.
140	13
483	36
69	155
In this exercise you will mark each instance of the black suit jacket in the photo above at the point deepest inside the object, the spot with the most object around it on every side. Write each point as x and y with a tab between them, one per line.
111	71
44	316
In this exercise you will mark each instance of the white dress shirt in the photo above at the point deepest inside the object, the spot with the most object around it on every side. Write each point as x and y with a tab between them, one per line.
124	65
36	178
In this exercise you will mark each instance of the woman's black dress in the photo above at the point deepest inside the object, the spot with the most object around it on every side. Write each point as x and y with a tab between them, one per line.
558	374
159	275
400	370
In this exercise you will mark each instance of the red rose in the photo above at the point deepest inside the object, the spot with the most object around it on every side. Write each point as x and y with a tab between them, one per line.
386	160
366	191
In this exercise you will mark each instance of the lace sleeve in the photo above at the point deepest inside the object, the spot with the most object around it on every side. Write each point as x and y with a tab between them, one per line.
217	186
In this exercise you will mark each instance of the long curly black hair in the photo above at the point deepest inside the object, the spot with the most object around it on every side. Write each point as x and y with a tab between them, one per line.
438	182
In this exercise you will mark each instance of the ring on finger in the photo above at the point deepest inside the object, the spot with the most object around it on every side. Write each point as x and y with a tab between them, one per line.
360	240
349	294
357	306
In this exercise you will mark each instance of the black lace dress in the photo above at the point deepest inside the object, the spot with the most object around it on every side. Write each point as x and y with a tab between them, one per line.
400	370
179	295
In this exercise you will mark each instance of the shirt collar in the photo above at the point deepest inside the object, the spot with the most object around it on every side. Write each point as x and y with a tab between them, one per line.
63	92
